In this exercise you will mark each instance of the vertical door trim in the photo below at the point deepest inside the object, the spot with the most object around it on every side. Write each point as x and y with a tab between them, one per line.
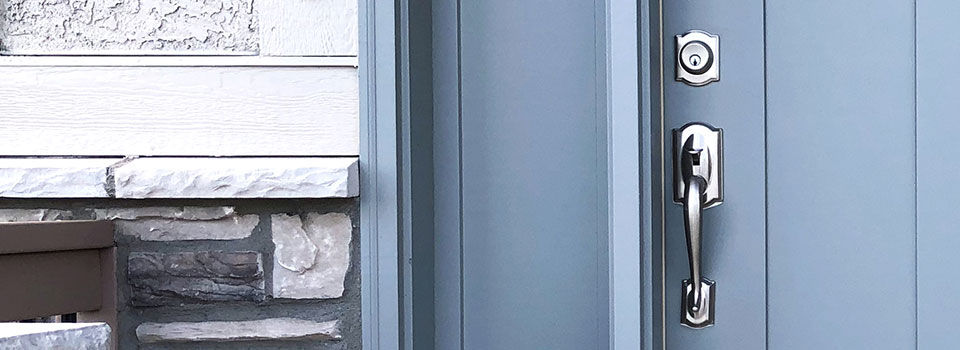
448	175
652	175
635	171
380	193
629	43
621	50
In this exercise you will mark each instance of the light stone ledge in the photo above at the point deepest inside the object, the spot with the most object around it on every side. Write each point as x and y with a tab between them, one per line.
228	331
238	178
54	178
194	177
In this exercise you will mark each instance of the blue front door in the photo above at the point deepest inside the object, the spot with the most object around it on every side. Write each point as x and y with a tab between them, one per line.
838	224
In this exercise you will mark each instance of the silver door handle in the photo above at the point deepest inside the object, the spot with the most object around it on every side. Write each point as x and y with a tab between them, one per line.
693	212
697	175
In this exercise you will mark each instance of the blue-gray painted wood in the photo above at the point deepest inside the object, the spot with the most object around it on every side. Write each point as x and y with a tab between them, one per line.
623	92
446	109
651	193
533	186
379	187
733	233
840	229
417	169
651	189
840	174
938	118
607	312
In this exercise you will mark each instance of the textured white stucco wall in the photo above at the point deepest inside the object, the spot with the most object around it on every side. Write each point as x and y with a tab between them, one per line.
125	25
209	27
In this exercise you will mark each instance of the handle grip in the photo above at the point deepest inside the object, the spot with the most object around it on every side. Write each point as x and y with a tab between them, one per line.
693	224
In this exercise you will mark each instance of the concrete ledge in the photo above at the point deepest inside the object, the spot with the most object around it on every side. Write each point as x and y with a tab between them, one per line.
229	331
54	178
237	178
80	336
194	177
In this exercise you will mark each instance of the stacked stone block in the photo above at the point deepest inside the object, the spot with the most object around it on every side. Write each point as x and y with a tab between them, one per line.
194	274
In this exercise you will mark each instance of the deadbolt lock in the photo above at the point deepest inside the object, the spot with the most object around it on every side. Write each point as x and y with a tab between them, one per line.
698	58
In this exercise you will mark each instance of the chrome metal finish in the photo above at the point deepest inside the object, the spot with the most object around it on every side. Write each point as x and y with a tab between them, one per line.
693	225
709	141
702	316
698	58
698	174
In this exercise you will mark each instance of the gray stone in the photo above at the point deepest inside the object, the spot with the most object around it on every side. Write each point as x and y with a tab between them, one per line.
180	223
194	277
159	229
312	255
184	213
128	26
237	178
54	336
294	250
226	331
54	178
24	215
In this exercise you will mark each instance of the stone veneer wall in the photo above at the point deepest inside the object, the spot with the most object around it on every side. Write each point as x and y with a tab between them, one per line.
203	273
227	274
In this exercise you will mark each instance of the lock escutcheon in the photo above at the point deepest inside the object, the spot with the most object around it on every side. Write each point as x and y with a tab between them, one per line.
698	58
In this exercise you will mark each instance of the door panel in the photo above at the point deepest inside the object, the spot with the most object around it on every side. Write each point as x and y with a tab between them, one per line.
533	176
938	117
814	245
840	175
733	233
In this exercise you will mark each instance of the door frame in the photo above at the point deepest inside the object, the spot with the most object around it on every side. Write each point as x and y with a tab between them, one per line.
380	210
395	36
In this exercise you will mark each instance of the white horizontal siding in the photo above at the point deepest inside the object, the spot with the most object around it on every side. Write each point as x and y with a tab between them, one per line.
308	27
179	111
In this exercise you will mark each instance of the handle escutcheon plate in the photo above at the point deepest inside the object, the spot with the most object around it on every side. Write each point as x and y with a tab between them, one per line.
702	316
711	141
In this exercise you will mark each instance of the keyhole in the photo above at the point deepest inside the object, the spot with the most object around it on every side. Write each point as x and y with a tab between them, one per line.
695	60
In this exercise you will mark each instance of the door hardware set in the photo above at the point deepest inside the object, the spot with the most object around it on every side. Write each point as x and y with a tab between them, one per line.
697	173
698	179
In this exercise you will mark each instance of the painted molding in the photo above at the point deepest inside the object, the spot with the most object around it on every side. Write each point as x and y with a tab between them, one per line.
623	92
380	191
